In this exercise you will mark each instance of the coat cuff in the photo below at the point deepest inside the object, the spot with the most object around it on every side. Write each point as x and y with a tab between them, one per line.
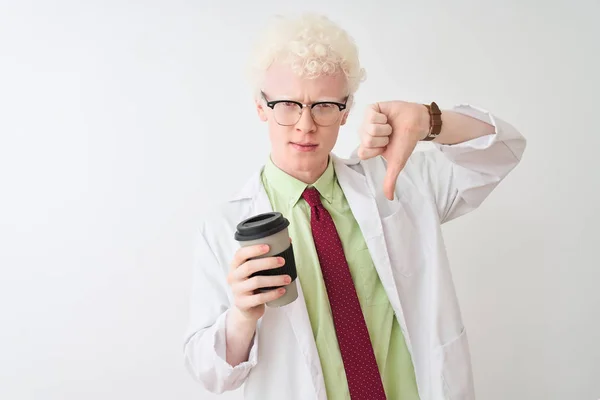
206	358
234	375
504	133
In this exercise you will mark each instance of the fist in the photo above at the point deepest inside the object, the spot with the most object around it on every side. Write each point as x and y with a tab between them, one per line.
392	129
249	301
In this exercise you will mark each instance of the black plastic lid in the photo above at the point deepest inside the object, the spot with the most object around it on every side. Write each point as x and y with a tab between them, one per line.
260	226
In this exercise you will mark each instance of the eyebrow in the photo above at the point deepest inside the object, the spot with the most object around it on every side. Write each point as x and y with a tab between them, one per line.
323	99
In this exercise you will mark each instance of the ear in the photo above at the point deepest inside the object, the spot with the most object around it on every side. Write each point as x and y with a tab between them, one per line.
260	110
349	104
344	117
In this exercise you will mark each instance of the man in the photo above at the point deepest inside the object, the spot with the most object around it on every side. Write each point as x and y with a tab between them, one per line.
376	315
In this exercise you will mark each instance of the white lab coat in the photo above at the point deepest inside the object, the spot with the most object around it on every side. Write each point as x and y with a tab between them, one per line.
405	241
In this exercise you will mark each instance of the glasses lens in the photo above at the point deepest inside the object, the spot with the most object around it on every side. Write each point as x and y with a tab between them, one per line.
326	114
287	113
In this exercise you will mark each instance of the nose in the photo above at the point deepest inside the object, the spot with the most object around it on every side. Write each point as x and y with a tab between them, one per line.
306	124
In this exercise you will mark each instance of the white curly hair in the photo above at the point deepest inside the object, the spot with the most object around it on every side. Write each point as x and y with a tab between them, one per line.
311	44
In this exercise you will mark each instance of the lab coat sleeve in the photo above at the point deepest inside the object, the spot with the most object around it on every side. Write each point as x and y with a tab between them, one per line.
461	176
205	343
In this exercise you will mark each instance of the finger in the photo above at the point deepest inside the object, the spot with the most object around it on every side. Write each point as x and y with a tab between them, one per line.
258	282
389	183
374	115
400	155
379	130
247	302
374	142
244	253
259	264
364	153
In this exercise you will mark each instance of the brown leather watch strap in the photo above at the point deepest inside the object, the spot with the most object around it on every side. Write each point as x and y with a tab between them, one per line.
435	121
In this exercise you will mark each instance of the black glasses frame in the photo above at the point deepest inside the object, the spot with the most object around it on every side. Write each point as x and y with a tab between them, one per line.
273	103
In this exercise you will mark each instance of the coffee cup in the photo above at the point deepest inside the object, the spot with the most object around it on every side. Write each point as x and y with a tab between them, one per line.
272	229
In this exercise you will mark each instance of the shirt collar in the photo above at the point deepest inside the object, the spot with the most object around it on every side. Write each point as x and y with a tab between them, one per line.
291	189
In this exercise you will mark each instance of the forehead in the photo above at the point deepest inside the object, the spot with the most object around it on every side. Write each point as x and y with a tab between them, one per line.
281	81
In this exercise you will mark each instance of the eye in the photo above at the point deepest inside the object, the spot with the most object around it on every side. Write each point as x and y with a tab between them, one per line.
289	104
326	106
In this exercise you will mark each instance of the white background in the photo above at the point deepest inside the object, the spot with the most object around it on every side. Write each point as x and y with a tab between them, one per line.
120	121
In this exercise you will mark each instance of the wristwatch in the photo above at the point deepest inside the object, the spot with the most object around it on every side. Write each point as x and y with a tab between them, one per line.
435	121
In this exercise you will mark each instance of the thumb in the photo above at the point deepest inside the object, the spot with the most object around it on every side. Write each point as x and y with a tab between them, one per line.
397	155
389	182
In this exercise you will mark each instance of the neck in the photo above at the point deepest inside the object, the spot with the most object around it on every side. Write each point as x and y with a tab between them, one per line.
307	176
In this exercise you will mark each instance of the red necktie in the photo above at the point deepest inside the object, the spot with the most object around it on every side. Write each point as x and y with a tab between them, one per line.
359	360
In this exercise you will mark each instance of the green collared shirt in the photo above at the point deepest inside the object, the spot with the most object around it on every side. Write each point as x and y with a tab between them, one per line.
393	359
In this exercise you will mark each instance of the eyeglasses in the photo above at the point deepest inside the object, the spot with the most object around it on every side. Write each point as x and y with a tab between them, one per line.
288	112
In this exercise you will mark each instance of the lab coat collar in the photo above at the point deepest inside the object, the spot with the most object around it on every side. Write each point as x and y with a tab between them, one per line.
254	187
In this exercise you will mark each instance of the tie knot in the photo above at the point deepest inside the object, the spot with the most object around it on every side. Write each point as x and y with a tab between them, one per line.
312	197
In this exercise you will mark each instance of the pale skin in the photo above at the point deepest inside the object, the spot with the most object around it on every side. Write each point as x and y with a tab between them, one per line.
391	129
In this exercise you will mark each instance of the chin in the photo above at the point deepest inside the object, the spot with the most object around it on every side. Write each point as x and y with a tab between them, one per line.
307	162
290	160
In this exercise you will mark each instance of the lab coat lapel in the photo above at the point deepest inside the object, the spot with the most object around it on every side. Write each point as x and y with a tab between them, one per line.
362	202
296	311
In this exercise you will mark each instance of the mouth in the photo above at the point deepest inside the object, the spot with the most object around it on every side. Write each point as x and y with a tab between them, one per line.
304	144
304	147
